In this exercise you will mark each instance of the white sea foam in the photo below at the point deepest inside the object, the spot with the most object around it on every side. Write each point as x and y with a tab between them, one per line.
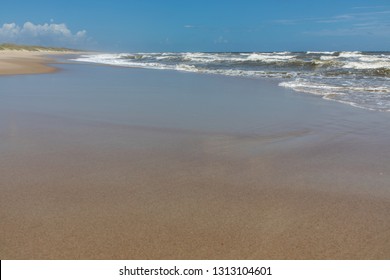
312	87
200	57
367	65
324	88
115	60
356	78
317	52
369	62
366	96
350	54
327	57
269	57
185	67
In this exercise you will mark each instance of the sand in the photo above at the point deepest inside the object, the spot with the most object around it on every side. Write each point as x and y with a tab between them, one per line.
130	170
17	62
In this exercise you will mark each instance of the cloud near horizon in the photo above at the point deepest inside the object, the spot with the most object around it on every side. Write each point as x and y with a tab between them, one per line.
367	23
41	34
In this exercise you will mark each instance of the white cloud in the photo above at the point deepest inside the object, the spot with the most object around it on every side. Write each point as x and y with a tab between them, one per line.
47	34
363	23
10	30
382	15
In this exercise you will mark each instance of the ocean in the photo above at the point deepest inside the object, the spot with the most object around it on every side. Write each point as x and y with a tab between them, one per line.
360	79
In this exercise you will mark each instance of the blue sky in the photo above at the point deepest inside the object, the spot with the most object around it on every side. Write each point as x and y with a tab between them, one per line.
198	25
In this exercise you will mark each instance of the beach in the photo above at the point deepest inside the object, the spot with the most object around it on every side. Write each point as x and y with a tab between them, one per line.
13	62
101	162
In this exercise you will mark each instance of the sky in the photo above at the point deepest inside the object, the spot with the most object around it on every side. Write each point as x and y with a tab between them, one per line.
198	25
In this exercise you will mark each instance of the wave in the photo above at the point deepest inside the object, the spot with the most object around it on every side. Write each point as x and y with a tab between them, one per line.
374	64
366	96
272	57
317	52
328	60
324	89
343	76
350	54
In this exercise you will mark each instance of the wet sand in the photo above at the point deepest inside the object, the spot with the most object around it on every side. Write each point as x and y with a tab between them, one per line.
165	165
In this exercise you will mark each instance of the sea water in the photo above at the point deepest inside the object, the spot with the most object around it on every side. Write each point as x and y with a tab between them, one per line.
361	79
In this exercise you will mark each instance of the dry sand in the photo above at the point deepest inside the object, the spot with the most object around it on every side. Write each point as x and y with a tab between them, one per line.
16	62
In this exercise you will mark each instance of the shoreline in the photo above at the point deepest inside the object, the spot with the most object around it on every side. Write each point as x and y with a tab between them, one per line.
23	62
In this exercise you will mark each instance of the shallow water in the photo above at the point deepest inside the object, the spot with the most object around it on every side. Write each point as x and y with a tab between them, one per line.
360	79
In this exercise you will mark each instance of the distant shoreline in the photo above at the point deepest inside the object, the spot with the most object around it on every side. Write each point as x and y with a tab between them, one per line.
21	60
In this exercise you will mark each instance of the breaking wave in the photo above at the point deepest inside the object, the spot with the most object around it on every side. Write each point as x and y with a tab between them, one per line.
361	79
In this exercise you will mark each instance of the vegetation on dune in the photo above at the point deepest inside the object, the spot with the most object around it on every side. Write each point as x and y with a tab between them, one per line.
7	46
